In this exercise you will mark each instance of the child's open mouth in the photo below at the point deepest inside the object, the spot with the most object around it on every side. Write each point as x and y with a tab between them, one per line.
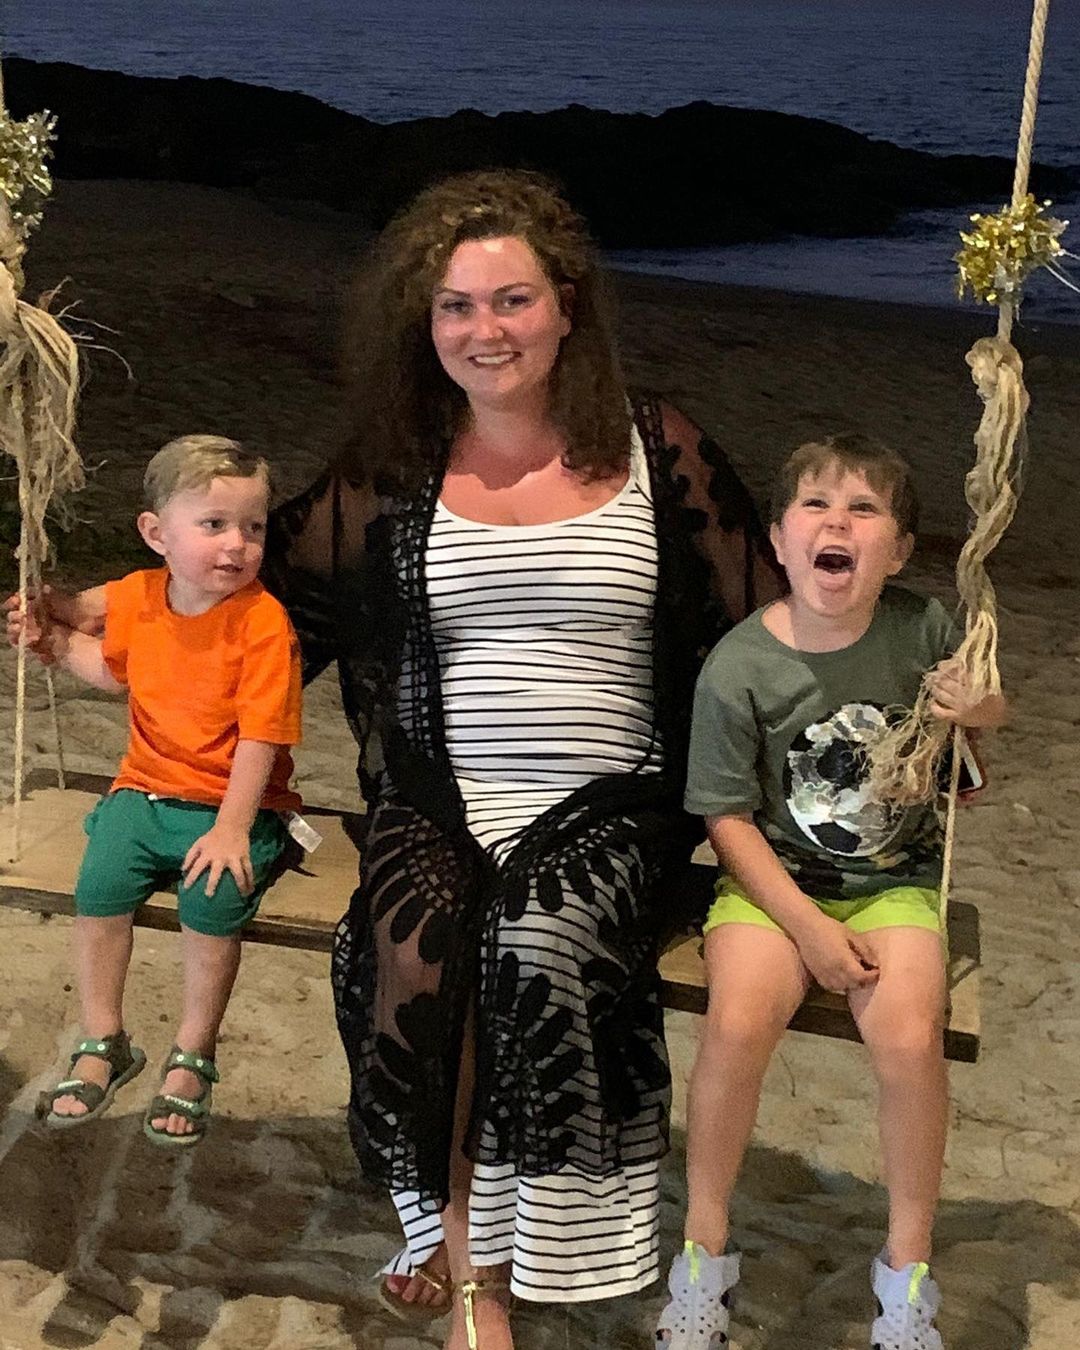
834	561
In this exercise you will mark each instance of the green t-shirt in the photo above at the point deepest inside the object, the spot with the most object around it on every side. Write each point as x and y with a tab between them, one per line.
781	734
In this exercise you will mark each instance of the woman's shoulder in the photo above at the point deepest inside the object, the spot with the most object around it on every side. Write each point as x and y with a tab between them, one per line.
661	424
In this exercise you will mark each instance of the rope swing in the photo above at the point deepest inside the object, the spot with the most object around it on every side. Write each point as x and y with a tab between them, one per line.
999	254
39	385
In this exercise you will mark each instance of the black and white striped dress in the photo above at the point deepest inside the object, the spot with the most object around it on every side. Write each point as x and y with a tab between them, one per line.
544	634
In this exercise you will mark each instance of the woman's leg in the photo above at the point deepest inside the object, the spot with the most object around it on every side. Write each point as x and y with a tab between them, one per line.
403	968
756	982
489	1313
102	954
572	1082
900	1018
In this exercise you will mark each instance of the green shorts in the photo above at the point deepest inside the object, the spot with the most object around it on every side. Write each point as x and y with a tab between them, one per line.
900	907
137	844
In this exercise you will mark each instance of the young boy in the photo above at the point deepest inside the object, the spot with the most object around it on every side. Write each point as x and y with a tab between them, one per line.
211	669
820	881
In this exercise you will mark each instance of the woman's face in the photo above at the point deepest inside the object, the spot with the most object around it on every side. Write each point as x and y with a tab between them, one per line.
496	322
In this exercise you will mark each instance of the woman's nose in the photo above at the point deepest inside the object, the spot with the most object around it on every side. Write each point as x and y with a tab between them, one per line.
486	324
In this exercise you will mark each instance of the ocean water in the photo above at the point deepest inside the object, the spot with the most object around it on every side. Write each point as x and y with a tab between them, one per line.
938	75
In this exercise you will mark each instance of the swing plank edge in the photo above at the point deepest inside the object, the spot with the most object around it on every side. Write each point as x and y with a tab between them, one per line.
303	907
683	986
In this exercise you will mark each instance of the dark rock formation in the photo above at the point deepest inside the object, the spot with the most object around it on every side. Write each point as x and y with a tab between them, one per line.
695	175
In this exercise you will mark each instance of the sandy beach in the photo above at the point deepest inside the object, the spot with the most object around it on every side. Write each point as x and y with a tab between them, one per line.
227	311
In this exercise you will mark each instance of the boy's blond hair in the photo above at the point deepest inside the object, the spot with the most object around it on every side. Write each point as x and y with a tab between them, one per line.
885	471
193	462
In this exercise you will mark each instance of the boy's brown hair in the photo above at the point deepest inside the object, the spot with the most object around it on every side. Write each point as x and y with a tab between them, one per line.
194	462
887	473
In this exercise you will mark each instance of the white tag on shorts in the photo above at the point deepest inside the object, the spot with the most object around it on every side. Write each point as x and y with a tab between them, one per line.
305	835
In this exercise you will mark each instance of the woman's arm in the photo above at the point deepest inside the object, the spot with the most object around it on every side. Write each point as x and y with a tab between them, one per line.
316	551
744	573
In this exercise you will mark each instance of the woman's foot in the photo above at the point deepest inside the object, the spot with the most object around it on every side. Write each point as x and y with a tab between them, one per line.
481	1313
428	1291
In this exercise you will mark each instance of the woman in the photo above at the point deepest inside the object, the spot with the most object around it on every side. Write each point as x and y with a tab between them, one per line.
518	575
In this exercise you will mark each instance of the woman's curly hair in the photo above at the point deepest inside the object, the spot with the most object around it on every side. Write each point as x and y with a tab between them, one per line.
404	407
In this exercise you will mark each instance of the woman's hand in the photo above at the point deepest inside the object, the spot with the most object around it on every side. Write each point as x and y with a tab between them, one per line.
954	700
838	959
222	848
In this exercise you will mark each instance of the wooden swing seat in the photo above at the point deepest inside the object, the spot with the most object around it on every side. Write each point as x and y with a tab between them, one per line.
303	907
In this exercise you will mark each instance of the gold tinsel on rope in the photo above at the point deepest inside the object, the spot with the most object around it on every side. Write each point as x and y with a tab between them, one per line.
998	257
1003	249
25	180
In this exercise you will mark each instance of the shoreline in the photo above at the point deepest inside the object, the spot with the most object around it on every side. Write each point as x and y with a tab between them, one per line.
866	314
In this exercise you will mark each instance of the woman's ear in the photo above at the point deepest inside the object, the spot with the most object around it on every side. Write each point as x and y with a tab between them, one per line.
149	526
567	296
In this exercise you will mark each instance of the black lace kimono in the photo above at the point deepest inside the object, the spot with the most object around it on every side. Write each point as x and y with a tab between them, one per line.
420	941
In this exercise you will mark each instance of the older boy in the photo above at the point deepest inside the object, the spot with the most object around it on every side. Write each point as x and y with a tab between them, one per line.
821	881
211	669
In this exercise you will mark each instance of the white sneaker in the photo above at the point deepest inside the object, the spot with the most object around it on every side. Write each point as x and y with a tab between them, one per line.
698	1316
908	1300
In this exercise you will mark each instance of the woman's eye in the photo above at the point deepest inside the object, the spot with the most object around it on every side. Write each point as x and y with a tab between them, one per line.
515	301
453	306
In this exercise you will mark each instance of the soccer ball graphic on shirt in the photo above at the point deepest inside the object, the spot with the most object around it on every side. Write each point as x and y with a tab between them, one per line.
826	783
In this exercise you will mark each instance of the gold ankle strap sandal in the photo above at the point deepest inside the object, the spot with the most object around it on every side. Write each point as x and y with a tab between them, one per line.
470	1291
421	1314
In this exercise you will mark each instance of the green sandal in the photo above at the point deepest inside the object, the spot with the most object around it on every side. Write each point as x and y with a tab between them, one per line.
196	1110
125	1061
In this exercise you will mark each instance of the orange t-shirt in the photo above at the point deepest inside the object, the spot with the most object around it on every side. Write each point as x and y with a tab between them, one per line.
198	683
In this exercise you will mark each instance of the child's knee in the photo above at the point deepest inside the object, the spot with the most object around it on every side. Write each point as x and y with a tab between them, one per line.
735	1030
221	915
908	1042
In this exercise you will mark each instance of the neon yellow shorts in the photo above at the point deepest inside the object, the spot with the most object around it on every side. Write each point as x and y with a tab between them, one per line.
901	907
